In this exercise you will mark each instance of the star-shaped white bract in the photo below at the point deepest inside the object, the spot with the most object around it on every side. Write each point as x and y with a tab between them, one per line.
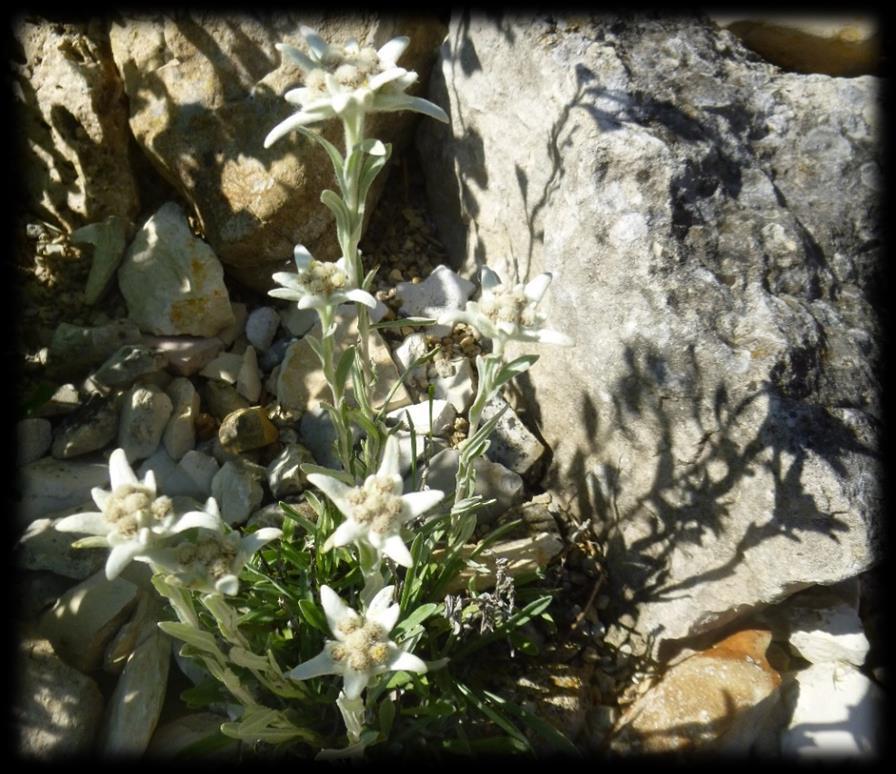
341	79
210	561
361	648
319	284
131	517
376	510
508	312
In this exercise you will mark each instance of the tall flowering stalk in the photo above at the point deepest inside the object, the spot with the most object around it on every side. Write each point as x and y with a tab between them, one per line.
504	312
347	82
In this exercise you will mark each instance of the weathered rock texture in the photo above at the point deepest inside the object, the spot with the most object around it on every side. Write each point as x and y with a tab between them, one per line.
204	91
73	117
711	224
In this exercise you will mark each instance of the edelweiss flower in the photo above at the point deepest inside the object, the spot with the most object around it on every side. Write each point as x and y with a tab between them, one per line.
319	283
376	510
131	518
507	312
213	560
339	79
362	648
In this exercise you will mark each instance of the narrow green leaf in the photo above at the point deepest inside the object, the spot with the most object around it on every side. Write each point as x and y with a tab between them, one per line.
313	615
346	359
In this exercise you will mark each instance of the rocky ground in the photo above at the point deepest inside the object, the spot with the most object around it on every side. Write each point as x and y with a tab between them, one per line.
781	653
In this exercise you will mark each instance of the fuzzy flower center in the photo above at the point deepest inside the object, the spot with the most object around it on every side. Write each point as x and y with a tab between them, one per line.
134	506
508	304
213	556
351	69
376	505
365	646
322	278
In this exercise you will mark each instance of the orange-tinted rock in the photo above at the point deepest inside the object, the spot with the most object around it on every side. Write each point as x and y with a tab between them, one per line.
713	700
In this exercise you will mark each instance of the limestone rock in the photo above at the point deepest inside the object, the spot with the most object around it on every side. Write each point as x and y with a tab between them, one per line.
108	238
143	418
301	382
86	617
186	355
840	45
247	429
88	429
136	703
285	476
452	380
493	481
838	713
41	547
216	105
437	417
123	367
319	436
442	291
75	349
248	380
237	491
261	327
179	435
52	485
234	330
191	477
33	438
74	124
512	443
63	401
171	280
721	408
225	367
57	709
298	321
714	700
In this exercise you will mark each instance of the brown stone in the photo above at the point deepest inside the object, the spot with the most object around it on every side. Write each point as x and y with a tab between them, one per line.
713	700
246	429
206	88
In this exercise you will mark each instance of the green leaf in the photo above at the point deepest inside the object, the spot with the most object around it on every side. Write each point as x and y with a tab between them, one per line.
344	221
386	716
291	513
335	156
201	695
314	616
486	708
346	360
514	368
201	640
401	322
555	739
418	616
339	475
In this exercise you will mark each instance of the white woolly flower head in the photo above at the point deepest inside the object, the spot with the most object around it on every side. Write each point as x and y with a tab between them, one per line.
131	516
360	648
376	510
210	560
318	284
508	312
342	79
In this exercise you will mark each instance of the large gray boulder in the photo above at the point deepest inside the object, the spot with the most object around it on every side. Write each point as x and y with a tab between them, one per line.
73	123
711	225
206	88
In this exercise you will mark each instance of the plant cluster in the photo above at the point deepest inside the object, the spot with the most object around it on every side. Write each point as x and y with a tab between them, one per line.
343	630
